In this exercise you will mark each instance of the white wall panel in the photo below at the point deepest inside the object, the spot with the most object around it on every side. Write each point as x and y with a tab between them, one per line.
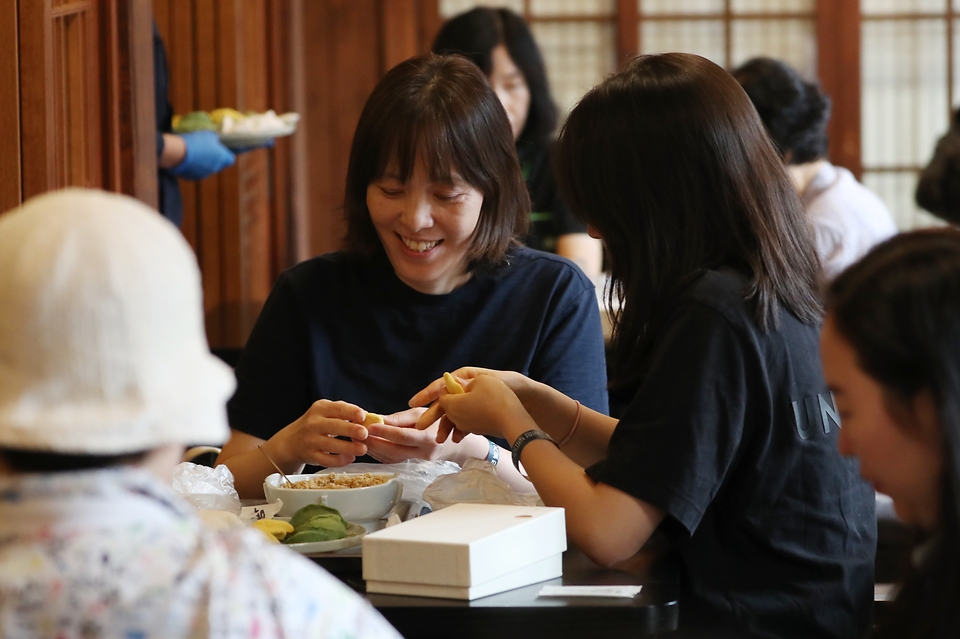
773	6
573	7
450	8
703	37
577	55
680	6
904	91
868	7
793	41
896	190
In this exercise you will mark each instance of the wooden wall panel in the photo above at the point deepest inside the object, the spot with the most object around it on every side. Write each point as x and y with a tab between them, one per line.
220	53
838	60
348	45
10	167
285	93
342	66
628	30
36	96
399	27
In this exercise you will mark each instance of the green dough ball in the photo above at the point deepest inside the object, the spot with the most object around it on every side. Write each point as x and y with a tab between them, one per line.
307	513
311	535
196	121
325	522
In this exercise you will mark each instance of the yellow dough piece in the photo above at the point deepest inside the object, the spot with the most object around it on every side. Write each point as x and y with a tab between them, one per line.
372	418
453	386
217	115
274	528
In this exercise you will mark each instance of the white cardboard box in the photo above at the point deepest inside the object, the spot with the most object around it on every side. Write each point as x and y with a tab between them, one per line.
466	551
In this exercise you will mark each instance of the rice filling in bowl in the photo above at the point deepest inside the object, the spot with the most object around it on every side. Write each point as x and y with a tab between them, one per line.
328	481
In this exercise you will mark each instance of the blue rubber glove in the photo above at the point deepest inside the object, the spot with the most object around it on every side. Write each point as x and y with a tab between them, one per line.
205	156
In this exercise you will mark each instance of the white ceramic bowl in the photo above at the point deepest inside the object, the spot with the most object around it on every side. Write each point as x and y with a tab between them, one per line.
355	504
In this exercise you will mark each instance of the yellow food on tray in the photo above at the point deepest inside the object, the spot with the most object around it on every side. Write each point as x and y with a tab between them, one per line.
274	528
217	115
226	121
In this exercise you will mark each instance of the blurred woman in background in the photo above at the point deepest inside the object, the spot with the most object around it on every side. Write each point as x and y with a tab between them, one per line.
891	355
500	43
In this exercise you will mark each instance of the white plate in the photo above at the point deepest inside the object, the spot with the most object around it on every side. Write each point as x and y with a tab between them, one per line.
241	139
355	533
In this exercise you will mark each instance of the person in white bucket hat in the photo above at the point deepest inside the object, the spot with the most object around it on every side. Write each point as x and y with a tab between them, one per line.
105	376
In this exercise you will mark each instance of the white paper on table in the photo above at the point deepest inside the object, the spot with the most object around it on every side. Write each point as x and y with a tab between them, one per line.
627	592
263	511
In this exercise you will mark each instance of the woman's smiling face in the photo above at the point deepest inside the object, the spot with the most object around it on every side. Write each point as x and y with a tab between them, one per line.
426	226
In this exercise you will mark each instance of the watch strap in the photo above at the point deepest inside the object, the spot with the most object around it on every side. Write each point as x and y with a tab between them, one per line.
524	439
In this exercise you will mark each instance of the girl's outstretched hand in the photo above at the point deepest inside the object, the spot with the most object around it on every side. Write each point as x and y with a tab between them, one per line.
523	388
488	407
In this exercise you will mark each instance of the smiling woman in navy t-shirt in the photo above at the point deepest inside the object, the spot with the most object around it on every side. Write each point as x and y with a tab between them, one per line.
432	279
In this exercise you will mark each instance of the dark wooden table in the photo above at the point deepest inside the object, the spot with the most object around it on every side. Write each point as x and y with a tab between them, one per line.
522	614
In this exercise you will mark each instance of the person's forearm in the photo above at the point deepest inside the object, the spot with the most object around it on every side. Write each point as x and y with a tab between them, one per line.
250	466
556	414
605	523
174	151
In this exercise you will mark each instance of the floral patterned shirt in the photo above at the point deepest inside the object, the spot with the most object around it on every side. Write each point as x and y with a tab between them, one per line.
115	554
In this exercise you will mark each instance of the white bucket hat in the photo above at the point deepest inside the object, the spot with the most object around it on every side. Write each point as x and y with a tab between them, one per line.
102	344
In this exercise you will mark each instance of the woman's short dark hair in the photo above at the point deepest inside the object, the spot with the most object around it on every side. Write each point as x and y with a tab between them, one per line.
899	309
34	461
476	33
668	160
441	110
795	112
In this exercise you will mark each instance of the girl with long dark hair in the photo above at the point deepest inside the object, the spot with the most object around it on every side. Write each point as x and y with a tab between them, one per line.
501	44
728	445
890	349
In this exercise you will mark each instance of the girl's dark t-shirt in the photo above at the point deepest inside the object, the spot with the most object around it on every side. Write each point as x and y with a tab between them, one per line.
345	327
733	434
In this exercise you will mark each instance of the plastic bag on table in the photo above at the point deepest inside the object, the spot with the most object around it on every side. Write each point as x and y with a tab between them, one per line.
206	488
477	483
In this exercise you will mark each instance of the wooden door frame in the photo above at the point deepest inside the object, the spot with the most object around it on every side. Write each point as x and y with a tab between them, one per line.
11	185
838	68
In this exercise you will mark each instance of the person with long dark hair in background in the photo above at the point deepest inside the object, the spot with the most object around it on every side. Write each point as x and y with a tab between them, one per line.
501	44
891	355
728	445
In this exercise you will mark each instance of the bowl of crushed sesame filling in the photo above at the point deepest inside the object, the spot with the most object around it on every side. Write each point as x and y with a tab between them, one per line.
360	497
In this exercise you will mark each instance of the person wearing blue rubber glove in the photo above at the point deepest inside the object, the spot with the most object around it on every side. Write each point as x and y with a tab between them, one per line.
203	155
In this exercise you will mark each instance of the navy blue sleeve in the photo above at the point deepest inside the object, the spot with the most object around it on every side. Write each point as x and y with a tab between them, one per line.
570	356
681	434
274	371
